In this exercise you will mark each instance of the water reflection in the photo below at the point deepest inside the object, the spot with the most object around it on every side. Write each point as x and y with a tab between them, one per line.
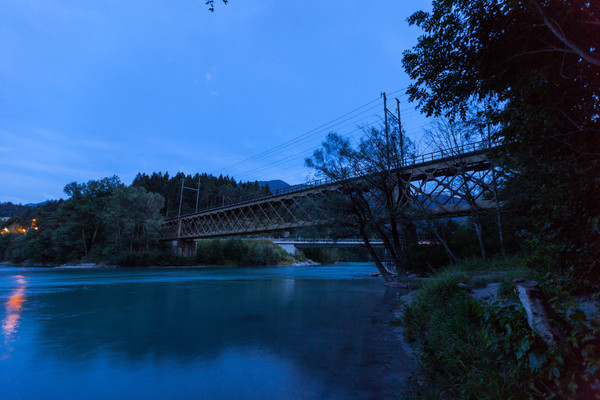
13	307
250	332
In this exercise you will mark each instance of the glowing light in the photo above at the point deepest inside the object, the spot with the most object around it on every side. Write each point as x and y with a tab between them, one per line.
10	324
13	308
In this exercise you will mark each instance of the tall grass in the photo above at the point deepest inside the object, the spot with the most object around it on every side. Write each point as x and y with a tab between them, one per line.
454	361
473	350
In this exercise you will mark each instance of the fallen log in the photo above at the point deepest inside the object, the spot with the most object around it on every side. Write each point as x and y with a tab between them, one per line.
540	316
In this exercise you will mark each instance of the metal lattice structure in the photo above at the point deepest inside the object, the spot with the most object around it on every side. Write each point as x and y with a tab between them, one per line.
446	183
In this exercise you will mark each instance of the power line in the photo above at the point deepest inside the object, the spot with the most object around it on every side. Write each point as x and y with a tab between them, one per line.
306	152
296	138
280	149
296	158
305	135
303	153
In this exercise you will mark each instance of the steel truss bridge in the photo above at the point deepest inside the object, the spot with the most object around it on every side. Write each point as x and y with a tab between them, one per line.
436	181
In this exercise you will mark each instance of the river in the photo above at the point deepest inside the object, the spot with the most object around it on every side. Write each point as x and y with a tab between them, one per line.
318	332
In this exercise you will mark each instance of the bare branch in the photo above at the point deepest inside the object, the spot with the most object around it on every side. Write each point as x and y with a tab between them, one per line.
560	35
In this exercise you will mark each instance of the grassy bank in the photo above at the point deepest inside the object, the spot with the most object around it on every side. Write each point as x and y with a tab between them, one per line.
469	348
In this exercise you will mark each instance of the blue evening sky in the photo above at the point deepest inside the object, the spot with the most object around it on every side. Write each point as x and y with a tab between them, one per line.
90	89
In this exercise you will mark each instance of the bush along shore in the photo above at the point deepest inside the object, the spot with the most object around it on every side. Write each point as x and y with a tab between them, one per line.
475	338
230	252
214	252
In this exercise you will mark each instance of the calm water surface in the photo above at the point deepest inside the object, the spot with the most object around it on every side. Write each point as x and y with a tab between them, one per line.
212	333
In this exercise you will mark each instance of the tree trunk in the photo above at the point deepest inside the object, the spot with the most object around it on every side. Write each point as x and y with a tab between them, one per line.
382	270
84	243
497	204
475	218
94	235
447	249
479	232
398	248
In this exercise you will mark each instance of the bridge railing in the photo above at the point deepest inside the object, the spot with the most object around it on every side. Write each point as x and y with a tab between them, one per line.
410	161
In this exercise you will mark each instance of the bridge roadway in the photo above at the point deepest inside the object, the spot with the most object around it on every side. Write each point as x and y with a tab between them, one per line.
436	182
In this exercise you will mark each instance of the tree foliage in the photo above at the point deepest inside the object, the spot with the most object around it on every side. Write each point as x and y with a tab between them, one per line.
211	4
107	221
371	199
214	191
102	220
536	65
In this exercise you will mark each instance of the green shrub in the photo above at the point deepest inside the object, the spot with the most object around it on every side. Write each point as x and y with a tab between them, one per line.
235	251
472	350
567	370
321	255
428	258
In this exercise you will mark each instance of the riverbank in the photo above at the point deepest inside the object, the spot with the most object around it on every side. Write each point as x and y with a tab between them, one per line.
472	338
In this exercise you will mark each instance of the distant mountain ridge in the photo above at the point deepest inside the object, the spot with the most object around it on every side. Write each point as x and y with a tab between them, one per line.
9	209
274	184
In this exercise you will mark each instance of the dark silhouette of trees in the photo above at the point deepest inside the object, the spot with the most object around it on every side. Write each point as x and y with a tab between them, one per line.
371	199
214	191
536	63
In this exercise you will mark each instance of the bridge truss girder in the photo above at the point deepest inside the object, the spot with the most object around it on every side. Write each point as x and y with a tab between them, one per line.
295	210
449	187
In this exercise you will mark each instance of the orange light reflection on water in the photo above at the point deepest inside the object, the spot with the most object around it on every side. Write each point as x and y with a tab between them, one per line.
13	308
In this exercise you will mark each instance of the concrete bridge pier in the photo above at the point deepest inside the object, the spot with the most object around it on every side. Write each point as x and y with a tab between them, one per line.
288	247
184	248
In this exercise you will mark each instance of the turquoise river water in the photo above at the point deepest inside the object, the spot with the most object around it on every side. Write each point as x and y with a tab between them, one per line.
317	332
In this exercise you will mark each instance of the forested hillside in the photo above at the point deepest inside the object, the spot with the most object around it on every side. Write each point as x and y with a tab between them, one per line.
214	191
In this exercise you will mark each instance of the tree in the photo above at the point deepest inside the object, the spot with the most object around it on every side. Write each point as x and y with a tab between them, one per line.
538	62
132	219
211	4
371	197
468	186
214	191
82	214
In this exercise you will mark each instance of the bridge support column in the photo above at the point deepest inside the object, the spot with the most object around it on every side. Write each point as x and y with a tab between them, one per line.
289	248
184	248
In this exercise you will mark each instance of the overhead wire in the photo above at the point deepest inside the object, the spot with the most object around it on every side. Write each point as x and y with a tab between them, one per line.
281	151
292	141
329	126
305	135
303	153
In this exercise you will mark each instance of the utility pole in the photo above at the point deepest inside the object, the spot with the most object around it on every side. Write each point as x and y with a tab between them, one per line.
179	213
198	194
180	197
197	190
401	135
387	131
